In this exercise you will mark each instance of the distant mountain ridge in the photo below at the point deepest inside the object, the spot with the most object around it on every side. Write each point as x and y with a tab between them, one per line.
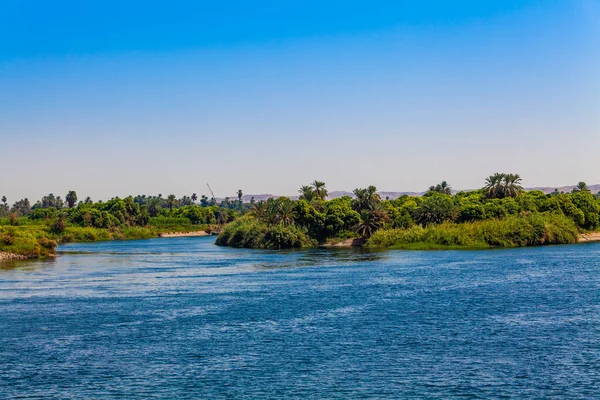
394	195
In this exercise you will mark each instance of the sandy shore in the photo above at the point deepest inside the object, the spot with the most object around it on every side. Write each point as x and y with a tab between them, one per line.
346	243
182	234
589	237
4	256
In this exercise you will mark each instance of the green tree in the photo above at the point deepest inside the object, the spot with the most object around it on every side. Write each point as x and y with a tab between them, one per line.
435	210
443	188
370	221
306	193
154	206
319	189
171	201
512	185
581	187
71	198
239	195
499	185
366	199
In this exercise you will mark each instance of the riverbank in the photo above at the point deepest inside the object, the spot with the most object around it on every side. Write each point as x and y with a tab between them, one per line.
589	237
40	241
6	256
183	234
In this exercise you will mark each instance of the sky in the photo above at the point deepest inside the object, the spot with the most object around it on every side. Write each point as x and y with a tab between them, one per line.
113	98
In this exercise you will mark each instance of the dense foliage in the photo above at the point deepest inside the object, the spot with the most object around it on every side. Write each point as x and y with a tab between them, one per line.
500	214
35	230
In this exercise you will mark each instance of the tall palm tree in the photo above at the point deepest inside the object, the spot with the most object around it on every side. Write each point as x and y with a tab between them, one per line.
319	189
71	198
366	199
194	197
239	195
171	200
493	185
512	185
154	206
306	193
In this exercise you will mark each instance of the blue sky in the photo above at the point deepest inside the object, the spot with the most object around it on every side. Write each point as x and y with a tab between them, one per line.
152	97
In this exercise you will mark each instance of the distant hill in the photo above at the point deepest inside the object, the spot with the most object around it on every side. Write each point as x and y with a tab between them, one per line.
394	195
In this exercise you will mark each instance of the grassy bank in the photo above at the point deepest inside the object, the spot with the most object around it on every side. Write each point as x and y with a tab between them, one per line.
516	231
38	240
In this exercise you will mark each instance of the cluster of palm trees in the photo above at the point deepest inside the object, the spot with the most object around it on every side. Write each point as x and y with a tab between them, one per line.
443	188
274	211
372	215
499	185
314	191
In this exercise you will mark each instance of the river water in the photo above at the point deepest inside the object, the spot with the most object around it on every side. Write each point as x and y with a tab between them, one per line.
183	318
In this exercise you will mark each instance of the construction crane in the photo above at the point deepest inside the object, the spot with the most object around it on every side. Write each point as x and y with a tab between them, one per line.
221	217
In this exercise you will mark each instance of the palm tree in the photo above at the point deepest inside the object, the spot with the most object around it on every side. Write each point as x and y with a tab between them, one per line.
194	197
171	200
581	187
285	211
320	190
88	200
259	210
493	185
271	215
154	206
4	200
71	198
512	185
442	187
306	193
370	221
366	199
239	195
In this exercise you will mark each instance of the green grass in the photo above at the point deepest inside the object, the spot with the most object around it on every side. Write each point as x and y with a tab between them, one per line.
516	231
35	239
30	241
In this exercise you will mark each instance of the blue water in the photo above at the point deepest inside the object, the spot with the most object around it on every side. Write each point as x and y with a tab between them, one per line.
183	318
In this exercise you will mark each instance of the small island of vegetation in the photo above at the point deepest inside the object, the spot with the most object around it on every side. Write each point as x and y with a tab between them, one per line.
501	214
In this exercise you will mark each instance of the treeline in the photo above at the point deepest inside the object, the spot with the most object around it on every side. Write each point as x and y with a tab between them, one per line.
34	231
155	205
283	223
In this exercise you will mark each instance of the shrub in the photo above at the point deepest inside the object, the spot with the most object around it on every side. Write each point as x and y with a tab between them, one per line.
250	233
516	231
435	210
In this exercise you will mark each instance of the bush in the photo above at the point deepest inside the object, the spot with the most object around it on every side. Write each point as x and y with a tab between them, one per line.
471	212
248	232
435	210
516	231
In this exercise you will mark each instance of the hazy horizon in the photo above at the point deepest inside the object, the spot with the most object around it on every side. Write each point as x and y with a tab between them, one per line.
119	99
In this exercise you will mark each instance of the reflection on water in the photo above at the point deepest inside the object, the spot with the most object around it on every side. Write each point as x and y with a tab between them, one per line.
183	318
25	265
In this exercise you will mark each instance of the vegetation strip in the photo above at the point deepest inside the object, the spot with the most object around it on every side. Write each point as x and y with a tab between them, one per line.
501	214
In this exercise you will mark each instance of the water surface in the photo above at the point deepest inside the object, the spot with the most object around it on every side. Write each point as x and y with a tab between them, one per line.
183	318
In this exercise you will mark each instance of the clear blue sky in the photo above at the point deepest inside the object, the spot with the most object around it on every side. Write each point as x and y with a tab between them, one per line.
116	98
